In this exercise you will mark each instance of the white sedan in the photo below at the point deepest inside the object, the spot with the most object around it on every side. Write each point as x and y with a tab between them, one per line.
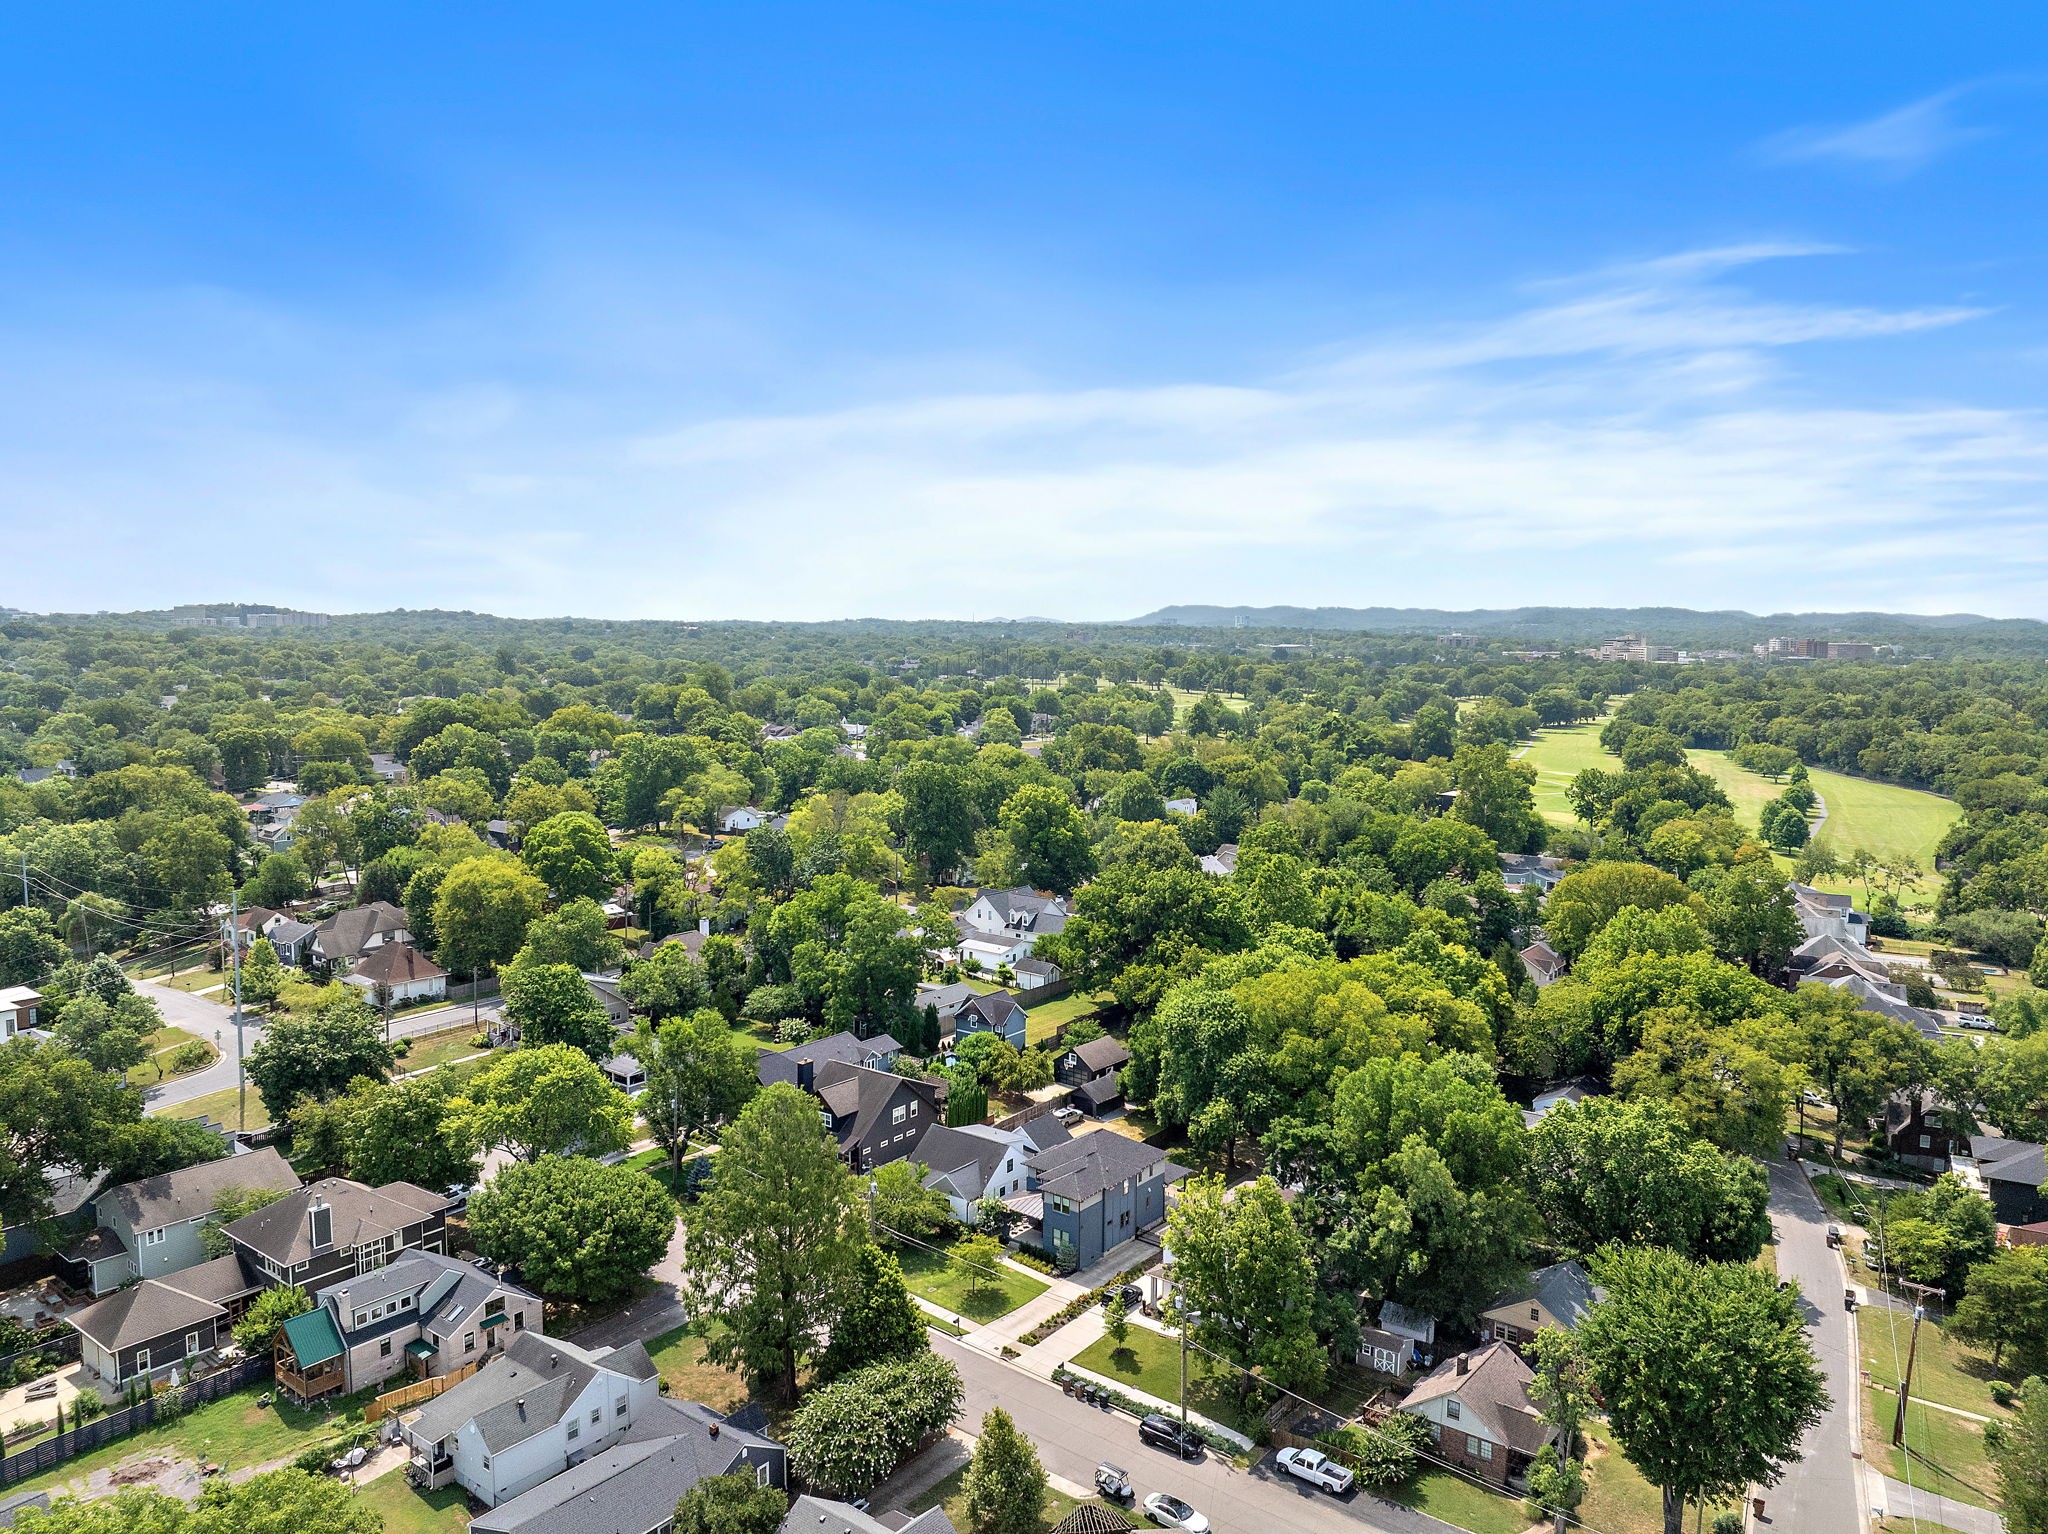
1172	1513
1316	1468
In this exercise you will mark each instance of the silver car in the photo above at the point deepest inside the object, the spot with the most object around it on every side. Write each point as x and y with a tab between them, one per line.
1172	1513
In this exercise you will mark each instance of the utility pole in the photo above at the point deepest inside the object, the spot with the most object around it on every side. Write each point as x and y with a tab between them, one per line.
1181	1446
24	879
235	959
1906	1384
871	1207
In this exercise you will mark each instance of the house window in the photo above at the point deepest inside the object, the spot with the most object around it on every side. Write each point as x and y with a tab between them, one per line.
1453	1410
620	1409
575	1431
469	1342
191	1344
596	1415
899	1114
760	1475
1926	1141
384	1348
151	1237
486	1462
518	1320
1535	1314
142	1361
1482	1448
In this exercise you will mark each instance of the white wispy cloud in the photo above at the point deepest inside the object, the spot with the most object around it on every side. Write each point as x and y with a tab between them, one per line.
1895	143
1641	433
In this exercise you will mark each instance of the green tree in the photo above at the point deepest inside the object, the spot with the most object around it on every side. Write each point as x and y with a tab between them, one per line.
29	946
574	934
667	983
1723	1081
256	1333
1136	929
1005	1485
979	1261
262	974
572	856
900	1203
1750	914
873	1317
699	1072
576	1228
1048	838
2019	1453
1497	794
938	816
109	1037
1707	1373
229	1205
1586	900
318	1055
1857	1059
397	1131
734	1503
546	1101
851	1434
1116	1319
481	912
56	1110
1611	1172
1243	1281
773	1237
2005	1305
552	1004
279	880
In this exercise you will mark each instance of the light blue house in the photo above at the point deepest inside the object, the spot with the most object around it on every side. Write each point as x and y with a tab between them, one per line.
1098	1191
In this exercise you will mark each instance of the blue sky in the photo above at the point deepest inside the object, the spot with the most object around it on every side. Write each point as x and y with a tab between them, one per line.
804	311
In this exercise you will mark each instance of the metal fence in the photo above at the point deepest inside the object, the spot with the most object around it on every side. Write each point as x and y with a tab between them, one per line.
101	1431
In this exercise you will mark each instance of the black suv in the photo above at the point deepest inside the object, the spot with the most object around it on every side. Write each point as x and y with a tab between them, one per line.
1165	1433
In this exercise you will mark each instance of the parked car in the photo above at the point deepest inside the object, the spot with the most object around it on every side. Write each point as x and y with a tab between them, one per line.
1165	1433
1316	1468
1172	1513
1067	1116
1133	1295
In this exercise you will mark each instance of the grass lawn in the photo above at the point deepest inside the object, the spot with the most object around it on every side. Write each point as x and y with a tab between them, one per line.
654	1162
1184	700
950	1495
161	1045
1948	1455
1559	756
1150	1361
233	1431
445	1048
220	1107
1040	1022
406	1511
199	979
1945	1370
933	1278
1618	1499
1456	1500
679	1355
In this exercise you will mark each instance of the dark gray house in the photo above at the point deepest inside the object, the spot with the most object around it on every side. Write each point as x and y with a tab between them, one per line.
1098	1191
876	1116
145	1331
333	1229
995	1013
2014	1173
1090	1069
799	1064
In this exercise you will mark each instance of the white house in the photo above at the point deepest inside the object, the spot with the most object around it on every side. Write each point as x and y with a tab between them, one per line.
1183	806
393	974
978	1161
18	1004
530	1414
745	818
1015	912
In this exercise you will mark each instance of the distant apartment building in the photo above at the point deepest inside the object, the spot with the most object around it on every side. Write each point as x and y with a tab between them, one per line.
261	618
1818	649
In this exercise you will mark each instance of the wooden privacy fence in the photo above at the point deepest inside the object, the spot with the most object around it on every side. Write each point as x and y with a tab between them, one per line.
420	1390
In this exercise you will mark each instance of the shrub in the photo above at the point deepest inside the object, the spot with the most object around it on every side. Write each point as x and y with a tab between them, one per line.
2003	1393
189	1057
1387	1455
402	1048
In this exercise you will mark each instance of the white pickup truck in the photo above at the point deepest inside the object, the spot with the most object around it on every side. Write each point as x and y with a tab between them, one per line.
1316	1468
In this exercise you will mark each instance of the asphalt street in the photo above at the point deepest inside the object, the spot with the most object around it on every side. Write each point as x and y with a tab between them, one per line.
1073	1439
1820	1492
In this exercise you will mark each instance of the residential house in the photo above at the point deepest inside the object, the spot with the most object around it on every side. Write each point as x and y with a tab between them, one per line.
1544	963
1917	1132
347	936
1531	870
289	939
996	1013
815	1515
1222	862
604	990
1098	1191
1557	1296
978	1161
151	1227
64	769
1091	1070
70	1212
252	923
799	1064
1833	957
541	1406
1821	914
1889	1001
1022	913
876	1116
1481	1414
335	1229
2011	1173
1385	1352
422	1313
395	974
989	951
633	1487
625	1071
388	768
1183	807
946	999
1577	1090
143	1332
20	1011
745	818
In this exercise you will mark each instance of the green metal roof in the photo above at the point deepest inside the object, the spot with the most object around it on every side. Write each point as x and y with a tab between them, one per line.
419	1350
314	1338
490	1321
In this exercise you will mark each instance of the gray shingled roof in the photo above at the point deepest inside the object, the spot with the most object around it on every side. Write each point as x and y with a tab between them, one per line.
344	934
1103	1054
188	1194
814	1515
516	1395
834	1049
863	1095
1563	1289
152	1308
632	1486
1087	1164
2015	1161
1493	1394
995	1011
279	1231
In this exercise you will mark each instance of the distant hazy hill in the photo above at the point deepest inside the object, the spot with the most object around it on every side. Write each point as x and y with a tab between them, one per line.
1672	625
